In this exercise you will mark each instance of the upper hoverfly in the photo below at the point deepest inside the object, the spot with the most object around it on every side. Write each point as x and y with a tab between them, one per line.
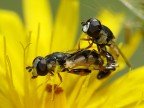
102	36
81	62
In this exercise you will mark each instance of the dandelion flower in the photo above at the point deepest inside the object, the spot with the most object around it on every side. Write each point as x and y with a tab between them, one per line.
19	48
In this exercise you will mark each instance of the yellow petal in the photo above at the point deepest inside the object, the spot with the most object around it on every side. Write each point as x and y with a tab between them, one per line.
38	20
88	91
126	91
65	29
11	26
12	34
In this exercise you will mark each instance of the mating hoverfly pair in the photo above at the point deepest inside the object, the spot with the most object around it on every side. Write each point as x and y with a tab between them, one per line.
82	61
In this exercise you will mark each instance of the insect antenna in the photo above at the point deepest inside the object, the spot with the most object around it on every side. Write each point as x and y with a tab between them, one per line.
29	68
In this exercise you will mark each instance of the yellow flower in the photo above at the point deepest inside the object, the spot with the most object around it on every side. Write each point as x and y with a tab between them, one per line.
40	35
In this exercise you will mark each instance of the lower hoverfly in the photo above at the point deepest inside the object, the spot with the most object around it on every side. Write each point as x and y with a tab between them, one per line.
81	62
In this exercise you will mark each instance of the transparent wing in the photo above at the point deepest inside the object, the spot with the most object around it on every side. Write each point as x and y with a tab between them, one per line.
117	49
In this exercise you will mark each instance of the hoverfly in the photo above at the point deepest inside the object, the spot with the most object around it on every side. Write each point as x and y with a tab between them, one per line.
42	66
81	62
102	36
87	60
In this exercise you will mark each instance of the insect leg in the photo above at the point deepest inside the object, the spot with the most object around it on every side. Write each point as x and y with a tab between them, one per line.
88	39
60	77
111	63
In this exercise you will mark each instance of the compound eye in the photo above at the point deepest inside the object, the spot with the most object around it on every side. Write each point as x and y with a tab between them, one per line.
36	61
94	27
95	24
42	67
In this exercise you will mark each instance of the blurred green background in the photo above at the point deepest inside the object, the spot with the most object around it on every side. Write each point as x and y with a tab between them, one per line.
90	8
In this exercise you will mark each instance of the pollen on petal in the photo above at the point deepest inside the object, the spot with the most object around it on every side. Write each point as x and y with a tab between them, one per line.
55	97
57	89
